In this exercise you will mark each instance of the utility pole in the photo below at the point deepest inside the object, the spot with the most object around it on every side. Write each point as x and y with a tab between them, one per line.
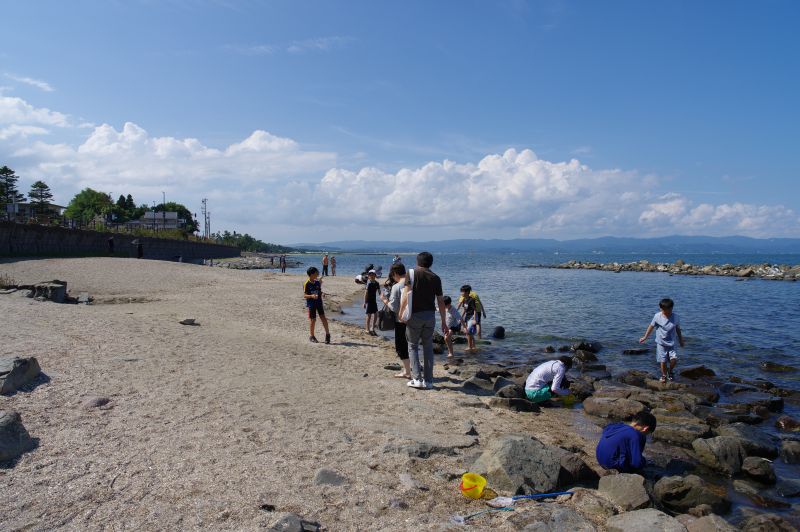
164	209
204	210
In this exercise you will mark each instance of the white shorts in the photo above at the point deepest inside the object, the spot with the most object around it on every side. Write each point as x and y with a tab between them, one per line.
663	353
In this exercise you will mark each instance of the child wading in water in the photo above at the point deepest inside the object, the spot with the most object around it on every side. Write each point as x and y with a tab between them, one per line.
667	327
371	303
312	292
454	323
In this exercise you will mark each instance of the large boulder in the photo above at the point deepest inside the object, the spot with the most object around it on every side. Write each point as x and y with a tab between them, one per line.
696	372
766	523
649	519
592	347
14	439
16	372
585	356
515	404
759	469
549	517
592	505
710	523
790	451
755	441
509	389
520	464
625	490
721	453
680	428
612	408
680	494
634	377
787	424
574	470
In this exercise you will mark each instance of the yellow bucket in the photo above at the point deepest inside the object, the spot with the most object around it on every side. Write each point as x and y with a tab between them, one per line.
472	485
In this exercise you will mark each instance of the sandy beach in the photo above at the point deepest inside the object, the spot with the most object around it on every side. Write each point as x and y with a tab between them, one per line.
212	426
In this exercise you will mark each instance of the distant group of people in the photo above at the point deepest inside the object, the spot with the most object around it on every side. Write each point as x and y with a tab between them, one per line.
414	295
328	262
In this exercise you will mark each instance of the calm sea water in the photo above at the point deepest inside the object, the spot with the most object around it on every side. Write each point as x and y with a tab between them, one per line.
730	326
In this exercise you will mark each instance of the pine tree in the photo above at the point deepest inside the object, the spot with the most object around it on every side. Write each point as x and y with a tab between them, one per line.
8	187
40	196
129	204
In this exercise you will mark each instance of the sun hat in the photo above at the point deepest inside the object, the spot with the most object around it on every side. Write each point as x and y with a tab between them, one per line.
372	271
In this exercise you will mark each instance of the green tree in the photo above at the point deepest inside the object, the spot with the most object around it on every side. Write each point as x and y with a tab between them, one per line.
183	214
129	204
8	187
89	203
40	197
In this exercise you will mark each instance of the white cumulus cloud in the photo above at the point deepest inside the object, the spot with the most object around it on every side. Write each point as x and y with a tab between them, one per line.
265	181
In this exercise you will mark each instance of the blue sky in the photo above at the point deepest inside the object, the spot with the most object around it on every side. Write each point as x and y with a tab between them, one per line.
326	120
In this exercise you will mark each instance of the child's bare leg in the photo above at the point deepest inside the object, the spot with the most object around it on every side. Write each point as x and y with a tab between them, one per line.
311	324
366	322
449	340
324	321
663	369
407	366
672	363
478	330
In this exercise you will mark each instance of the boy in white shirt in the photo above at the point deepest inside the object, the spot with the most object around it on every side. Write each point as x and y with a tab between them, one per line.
547	379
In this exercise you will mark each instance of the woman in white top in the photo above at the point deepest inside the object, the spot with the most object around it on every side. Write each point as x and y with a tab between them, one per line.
397	273
547	379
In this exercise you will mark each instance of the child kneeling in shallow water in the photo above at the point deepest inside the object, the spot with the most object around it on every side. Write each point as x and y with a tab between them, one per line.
547	379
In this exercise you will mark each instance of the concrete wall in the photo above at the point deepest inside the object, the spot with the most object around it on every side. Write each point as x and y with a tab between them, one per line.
20	240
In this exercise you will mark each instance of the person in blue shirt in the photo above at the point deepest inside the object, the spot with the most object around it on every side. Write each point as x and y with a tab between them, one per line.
668	328
622	444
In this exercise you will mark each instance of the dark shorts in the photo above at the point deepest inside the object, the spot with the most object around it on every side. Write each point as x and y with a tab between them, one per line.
313	311
455	330
372	307
478	318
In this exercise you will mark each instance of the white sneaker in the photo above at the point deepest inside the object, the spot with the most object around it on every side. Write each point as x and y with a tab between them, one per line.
414	383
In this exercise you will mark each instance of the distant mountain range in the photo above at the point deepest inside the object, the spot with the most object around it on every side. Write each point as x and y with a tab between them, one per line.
667	244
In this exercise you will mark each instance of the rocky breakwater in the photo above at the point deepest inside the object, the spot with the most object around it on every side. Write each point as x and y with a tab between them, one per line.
255	261
773	272
723	450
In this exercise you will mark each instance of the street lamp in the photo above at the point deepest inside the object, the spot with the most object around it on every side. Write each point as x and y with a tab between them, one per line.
164	209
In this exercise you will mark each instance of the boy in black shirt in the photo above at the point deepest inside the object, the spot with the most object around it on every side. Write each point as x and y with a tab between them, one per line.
312	292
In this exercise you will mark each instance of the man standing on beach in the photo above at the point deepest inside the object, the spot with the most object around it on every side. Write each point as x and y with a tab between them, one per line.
425	289
325	265
333	266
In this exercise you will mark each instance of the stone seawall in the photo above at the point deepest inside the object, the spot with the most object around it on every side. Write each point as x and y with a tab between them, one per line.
771	272
20	240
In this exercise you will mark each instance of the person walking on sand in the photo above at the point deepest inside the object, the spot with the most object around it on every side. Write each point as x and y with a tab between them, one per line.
667	327
371	303
325	265
425	289
397	275
312	292
282	262
333	266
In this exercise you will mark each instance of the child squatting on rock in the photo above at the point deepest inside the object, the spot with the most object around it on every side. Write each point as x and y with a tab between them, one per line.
667	327
312	292
622	444
548	378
